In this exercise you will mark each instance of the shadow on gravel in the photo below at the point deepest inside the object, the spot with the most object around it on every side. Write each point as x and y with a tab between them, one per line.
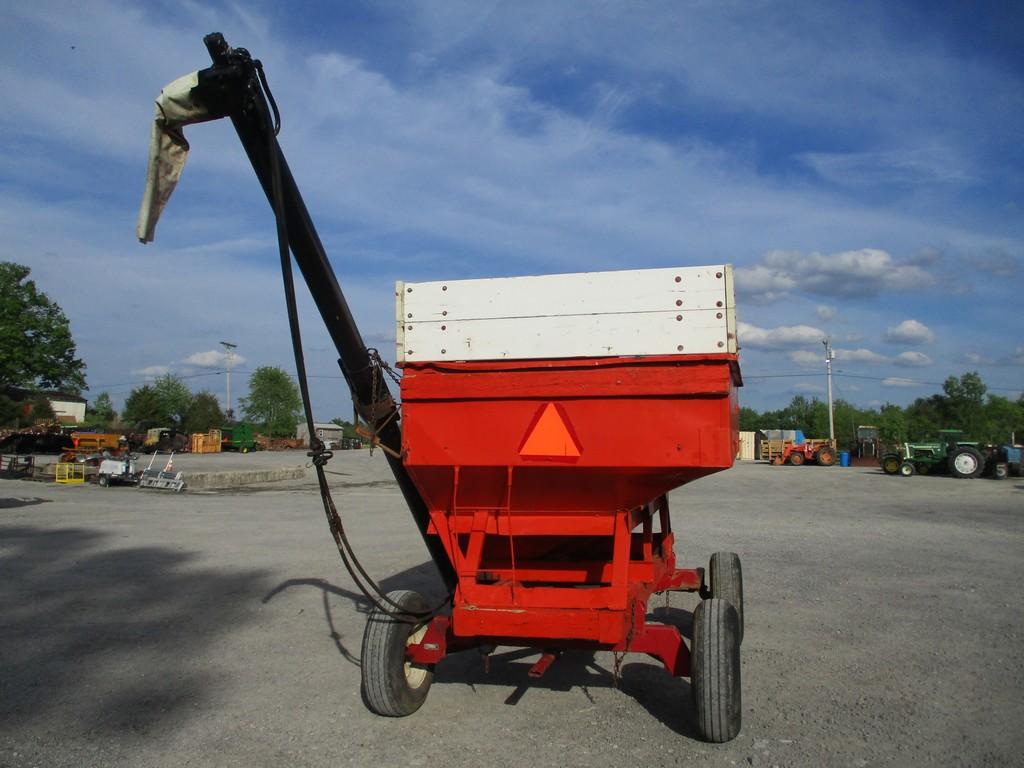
15	503
422	578
666	698
96	639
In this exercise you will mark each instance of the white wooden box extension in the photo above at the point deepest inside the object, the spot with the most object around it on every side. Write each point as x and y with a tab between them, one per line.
682	310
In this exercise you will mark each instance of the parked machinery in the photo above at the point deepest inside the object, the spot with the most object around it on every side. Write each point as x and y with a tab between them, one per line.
820	452
960	458
868	442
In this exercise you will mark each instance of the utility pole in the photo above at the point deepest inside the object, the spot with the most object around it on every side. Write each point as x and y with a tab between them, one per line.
229	358
829	356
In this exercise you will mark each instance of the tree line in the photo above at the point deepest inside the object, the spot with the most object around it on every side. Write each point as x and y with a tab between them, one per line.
964	403
273	405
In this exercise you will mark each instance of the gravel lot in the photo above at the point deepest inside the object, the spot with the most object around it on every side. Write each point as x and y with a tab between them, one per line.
883	627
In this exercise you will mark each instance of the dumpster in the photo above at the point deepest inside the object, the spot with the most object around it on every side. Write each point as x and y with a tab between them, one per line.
544	421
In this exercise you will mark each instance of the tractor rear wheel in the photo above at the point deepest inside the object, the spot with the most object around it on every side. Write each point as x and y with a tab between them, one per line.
392	685
715	676
727	582
891	464
966	462
907	468
796	459
825	456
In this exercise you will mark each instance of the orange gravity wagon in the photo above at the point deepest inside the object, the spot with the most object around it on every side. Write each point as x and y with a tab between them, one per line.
543	422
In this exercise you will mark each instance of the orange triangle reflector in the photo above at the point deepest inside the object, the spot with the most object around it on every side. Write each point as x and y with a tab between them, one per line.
550	436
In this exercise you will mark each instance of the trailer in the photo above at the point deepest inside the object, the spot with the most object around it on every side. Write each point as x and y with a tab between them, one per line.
238	437
162	479
544	420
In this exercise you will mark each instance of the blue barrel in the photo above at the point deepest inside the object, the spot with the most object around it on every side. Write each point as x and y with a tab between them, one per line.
844	458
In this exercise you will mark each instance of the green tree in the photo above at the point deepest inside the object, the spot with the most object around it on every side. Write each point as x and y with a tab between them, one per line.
203	413
750	420
35	336
9	411
1002	418
964	402
174	398
273	401
925	417
102	411
347	427
144	409
892	424
41	411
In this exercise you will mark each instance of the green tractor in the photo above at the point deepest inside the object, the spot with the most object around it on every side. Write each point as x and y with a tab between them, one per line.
950	454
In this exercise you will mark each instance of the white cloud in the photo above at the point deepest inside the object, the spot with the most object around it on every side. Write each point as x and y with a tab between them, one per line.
898	382
860	356
213	358
780	337
912	359
807	358
909	332
977	358
152	371
825	312
918	165
996	262
761	285
848	274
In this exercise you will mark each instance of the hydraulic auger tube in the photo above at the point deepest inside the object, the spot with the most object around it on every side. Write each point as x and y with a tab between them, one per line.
236	87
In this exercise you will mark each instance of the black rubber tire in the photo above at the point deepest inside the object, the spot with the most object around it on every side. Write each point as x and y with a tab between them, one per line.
825	456
966	462
907	469
891	464
715	674
103	480
796	459
391	686
726	577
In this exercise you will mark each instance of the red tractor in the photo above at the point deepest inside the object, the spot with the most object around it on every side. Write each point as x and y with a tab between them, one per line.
819	451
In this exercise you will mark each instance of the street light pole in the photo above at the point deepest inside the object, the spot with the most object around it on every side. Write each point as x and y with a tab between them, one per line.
829	356
229	358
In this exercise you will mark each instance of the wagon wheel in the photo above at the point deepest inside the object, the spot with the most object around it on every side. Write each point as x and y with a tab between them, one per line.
715	677
392	685
825	456
727	582
966	462
796	459
907	469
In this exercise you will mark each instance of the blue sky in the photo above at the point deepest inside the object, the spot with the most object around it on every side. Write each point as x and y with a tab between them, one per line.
859	164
